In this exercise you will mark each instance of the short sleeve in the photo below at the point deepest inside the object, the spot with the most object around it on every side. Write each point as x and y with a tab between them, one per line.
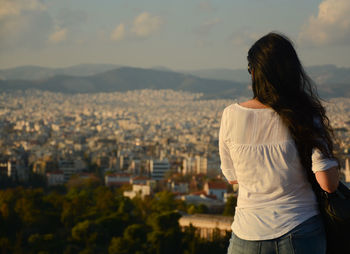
227	167
320	162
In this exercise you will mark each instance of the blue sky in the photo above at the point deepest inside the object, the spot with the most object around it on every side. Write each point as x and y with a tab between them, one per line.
180	34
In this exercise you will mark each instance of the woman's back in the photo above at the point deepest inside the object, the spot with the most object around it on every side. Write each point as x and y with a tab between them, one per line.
270	152
257	150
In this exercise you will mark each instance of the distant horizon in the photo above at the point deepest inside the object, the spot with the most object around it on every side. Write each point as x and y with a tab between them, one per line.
152	67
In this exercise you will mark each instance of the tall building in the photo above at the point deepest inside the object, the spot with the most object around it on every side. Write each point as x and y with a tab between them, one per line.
6	168
201	165
135	167
70	167
188	165
158	168
213	165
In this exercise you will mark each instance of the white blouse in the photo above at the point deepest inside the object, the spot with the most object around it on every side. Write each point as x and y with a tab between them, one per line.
257	150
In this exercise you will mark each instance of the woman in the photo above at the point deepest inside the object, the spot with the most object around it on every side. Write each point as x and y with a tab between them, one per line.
269	145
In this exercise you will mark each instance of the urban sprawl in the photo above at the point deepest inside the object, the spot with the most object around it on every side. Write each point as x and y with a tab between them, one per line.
141	138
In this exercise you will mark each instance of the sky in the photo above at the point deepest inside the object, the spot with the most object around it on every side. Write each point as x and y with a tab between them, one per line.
181	34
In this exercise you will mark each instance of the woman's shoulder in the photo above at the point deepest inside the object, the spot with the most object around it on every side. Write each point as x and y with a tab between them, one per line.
229	109
246	107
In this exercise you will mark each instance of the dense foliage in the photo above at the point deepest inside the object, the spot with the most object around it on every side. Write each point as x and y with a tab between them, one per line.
87	218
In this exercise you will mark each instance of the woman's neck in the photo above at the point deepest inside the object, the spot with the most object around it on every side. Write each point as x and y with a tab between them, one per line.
253	103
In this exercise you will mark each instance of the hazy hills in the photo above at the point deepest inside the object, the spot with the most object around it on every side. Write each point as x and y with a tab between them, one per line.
332	81
37	72
238	75
323	74
127	78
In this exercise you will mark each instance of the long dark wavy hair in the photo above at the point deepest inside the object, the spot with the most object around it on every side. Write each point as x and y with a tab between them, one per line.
279	81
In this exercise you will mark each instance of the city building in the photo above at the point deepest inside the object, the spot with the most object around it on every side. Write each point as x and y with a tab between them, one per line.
201	198
178	187
201	165
188	165
135	167
70	167
139	180
217	189
117	179
158	168
138	189
14	169
213	165
55	178
7	169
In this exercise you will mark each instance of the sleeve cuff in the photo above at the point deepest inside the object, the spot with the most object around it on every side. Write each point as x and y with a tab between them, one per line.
229	174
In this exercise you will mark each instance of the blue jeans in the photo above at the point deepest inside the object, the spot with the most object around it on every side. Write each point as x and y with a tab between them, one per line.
307	238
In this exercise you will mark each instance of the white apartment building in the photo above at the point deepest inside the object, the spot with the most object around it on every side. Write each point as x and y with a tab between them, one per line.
138	189
201	165
188	165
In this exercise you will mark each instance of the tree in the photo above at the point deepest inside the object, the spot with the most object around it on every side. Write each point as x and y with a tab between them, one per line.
85	234
164	201
166	234
5	245
105	200
112	225
118	245
134	240
230	206
201	208
95	219
42	243
190	240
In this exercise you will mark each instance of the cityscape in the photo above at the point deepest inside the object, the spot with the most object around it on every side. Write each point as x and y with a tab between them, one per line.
147	134
141	145
110	114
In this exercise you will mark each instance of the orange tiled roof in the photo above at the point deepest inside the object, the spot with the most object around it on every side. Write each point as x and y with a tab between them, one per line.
217	185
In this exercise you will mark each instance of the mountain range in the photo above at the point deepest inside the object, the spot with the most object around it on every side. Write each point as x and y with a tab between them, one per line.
32	72
332	81
129	78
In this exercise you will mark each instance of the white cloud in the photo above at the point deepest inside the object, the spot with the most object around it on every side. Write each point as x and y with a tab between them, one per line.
28	24
59	35
118	33
330	26
145	25
24	23
15	7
